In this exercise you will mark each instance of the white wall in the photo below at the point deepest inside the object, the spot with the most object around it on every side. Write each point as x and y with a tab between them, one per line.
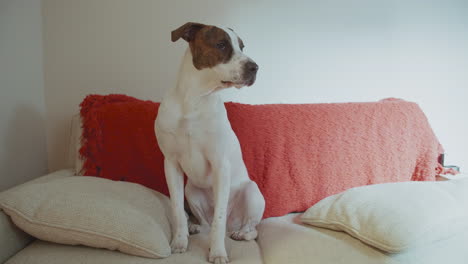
23	151
308	52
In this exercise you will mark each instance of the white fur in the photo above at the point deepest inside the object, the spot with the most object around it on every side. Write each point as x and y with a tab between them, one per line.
196	138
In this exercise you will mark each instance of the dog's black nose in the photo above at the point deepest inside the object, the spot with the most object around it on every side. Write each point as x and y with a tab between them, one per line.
251	67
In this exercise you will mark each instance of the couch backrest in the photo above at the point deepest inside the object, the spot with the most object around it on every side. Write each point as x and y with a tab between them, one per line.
74	160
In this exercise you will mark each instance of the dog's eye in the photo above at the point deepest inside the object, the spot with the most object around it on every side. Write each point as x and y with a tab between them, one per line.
221	45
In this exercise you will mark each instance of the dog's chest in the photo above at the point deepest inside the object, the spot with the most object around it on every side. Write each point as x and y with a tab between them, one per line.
191	152
187	138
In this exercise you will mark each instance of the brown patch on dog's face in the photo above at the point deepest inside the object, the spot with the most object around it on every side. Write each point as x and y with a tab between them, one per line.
220	51
210	46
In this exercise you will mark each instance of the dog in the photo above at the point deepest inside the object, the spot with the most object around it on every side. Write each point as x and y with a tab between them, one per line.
196	138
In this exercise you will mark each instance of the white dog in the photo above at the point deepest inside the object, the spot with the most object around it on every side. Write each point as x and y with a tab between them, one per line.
196	138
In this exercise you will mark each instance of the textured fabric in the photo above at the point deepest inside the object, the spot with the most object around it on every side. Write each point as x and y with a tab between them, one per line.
13	239
297	154
94	212
395	216
119	141
286	240
240	252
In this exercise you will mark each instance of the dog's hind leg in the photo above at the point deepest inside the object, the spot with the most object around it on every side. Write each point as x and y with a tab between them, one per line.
249	209
193	226
200	206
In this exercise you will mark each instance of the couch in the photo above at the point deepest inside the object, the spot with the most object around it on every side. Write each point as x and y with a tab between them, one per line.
281	239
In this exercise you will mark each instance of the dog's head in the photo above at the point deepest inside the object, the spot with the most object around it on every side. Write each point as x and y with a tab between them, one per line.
220	51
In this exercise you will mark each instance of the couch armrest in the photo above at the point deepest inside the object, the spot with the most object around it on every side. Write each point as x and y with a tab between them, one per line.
12	238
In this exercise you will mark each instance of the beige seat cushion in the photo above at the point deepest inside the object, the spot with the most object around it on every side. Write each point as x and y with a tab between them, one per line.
286	240
94	212
40	252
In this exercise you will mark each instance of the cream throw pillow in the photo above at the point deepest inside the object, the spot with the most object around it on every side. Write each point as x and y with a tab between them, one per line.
395	216
94	212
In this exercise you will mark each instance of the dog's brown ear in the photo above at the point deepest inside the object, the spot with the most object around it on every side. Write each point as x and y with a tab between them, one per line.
187	31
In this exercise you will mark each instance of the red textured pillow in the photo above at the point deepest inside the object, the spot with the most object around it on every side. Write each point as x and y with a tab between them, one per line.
297	154
118	140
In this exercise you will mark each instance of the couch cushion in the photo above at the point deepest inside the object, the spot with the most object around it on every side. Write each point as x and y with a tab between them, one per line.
40	252
286	240
395	216
94	212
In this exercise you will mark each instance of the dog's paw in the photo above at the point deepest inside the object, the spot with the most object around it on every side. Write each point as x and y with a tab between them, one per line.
218	255
194	228
244	235
219	259
179	244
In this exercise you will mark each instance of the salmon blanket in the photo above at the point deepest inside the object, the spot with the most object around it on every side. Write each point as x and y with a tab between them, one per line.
298	154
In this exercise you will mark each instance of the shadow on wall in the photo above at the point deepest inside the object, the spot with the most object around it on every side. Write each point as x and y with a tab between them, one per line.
24	154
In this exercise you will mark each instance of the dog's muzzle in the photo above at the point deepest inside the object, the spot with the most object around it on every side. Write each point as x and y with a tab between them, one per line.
249	72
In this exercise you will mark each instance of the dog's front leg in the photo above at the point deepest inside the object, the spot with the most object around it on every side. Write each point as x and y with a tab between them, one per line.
221	188
175	182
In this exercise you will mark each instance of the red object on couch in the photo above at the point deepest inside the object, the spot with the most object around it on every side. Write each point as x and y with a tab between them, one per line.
298	154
